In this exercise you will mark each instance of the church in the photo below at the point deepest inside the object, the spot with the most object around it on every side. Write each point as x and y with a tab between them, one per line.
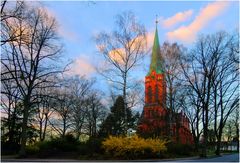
157	120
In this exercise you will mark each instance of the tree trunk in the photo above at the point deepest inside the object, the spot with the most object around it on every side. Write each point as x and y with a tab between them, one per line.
64	127
94	127
218	145
195	138
196	141
40	132
45	128
125	103
205	133
22	152
219	137
12	127
177	128
237	133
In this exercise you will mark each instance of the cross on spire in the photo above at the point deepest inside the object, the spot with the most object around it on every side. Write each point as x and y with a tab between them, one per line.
156	58
156	20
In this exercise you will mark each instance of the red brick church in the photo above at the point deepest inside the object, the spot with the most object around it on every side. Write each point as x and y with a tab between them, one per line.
157	120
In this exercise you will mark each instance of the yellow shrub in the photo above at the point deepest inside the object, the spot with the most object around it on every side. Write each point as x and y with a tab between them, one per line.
126	147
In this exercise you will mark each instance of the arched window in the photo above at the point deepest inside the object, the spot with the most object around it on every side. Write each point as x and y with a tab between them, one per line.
149	94
157	94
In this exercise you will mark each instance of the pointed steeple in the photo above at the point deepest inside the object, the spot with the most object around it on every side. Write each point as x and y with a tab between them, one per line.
156	60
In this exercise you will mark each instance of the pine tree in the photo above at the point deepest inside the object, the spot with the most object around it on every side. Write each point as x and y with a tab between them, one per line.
114	123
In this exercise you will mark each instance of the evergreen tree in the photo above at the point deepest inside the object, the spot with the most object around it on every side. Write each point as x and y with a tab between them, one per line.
114	123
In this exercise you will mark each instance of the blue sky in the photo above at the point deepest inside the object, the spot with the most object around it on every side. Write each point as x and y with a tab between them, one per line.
179	21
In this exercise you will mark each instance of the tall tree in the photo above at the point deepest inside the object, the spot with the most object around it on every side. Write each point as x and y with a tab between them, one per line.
30	60
123	50
80	89
198	71
10	104
224	83
235	120
193	110
114	123
95	112
63	109
210	73
11	11
171	54
44	110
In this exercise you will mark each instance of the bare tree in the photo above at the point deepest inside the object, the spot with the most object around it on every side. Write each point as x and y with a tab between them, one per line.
210	74
44	110
191	106
123	50
95	112
225	82
10	11
80	89
236	124
171	54
10	103
30	60
62	106
77	107
199	75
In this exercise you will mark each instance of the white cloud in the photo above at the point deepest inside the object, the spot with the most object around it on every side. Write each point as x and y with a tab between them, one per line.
67	34
81	66
188	33
63	30
177	18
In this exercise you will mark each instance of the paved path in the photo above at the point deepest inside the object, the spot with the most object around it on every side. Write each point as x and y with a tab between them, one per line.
224	158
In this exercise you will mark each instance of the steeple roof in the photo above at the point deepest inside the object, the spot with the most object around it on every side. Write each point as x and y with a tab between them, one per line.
156	60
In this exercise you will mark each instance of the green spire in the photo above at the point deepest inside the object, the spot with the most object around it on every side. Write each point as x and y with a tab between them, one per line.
156	61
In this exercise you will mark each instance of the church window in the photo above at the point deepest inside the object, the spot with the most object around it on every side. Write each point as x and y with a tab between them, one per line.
157	94
149	94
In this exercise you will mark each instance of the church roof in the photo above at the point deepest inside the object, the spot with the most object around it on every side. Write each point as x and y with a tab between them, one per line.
156	60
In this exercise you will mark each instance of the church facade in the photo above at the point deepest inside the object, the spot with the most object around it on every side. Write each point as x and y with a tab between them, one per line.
157	120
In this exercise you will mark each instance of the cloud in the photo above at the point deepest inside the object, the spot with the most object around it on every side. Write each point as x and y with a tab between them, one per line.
118	55
63	30
81	66
177	18
188	33
67	34
150	39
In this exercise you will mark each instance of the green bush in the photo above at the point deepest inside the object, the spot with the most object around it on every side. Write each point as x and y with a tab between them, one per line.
32	150
67	146
95	145
57	145
177	149
8	148
46	149
91	147
63	145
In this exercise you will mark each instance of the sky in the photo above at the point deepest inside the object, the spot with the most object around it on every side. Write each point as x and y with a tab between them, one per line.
179	21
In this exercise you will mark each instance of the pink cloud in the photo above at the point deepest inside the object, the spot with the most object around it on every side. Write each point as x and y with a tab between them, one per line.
62	30
188	33
150	39
119	55
177	18
81	66
67	34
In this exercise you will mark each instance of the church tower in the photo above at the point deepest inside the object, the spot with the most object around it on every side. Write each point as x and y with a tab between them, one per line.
154	111
157	120
155	84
